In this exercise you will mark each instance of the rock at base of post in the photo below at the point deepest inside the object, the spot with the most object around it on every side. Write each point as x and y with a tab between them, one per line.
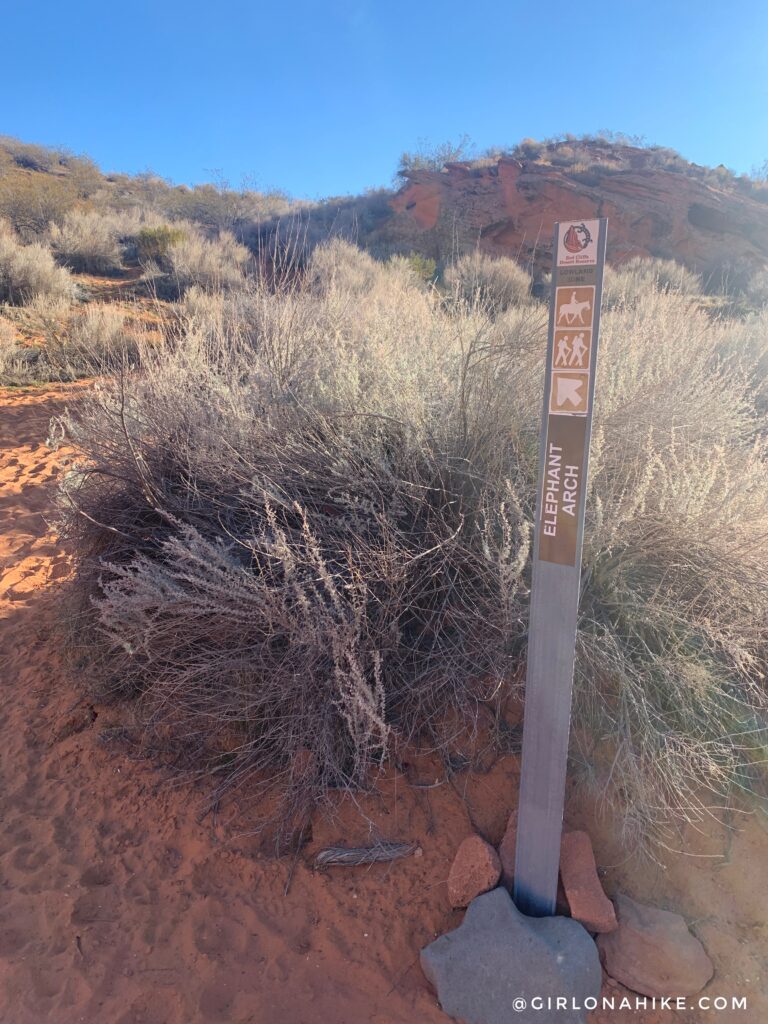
499	965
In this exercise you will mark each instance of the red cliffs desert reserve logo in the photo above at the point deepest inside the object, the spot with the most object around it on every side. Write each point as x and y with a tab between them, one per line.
577	238
577	243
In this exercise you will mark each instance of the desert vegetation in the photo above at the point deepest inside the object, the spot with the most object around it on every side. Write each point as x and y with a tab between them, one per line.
301	504
587	157
302	533
485	282
29	272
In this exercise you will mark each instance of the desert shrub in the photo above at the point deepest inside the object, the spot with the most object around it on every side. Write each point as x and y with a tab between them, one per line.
371	582
338	267
19	364
743	345
217	207
497	283
423	267
7	332
756	290
672	637
29	271
200	307
301	534
31	156
154	243
31	202
13	361
529	149
91	340
211	264
49	159
631	281
96	339
433	157
88	242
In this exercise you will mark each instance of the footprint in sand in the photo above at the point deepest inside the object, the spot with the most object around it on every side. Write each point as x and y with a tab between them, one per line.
215	934
29	859
95	876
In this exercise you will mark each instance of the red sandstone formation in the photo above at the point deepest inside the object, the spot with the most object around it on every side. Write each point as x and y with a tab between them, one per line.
509	208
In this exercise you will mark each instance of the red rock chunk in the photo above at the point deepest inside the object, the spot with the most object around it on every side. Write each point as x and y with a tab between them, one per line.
587	902
476	869
653	952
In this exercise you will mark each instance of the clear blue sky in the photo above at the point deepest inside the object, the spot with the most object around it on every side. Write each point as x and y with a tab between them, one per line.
320	98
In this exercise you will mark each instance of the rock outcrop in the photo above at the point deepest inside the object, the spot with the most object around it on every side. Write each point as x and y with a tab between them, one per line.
509	208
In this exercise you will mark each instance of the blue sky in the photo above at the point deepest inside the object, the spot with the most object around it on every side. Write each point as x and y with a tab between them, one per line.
320	98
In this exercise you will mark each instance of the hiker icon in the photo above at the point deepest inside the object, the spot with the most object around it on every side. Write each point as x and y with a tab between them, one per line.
578	349
563	351
571	350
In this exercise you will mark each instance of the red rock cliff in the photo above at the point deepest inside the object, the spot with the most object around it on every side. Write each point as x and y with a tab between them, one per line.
509	208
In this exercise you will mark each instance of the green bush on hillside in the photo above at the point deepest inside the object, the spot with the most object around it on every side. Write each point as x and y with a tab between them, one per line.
154	244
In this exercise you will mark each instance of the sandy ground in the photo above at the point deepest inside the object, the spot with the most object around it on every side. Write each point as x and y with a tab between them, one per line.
120	906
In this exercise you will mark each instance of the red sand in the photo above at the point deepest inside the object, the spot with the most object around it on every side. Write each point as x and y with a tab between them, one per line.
120	907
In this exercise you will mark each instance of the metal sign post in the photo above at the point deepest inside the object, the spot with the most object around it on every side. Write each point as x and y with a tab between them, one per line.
574	321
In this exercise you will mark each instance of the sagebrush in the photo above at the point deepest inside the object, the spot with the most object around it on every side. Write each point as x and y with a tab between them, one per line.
28	272
302	534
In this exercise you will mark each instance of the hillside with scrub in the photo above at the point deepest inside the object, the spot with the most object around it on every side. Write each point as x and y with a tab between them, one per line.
281	559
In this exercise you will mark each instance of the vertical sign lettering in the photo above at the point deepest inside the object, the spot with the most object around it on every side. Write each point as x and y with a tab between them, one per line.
574	322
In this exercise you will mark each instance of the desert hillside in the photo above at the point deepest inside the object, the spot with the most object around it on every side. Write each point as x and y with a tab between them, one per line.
268	476
708	219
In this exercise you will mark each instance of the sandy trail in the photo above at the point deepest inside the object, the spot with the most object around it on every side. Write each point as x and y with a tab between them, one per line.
120	907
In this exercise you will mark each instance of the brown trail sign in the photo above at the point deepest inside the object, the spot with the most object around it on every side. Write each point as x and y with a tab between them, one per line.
574	322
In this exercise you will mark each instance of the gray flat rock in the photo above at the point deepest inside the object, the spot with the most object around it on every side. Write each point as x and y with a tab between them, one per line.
497	959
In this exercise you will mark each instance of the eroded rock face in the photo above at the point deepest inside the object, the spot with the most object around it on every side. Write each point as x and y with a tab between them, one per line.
653	952
476	869
498	956
510	209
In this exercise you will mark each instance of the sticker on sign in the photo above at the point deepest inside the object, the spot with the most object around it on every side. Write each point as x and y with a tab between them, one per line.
577	243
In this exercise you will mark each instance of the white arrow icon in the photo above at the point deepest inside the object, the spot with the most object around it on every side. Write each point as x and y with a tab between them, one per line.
569	390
